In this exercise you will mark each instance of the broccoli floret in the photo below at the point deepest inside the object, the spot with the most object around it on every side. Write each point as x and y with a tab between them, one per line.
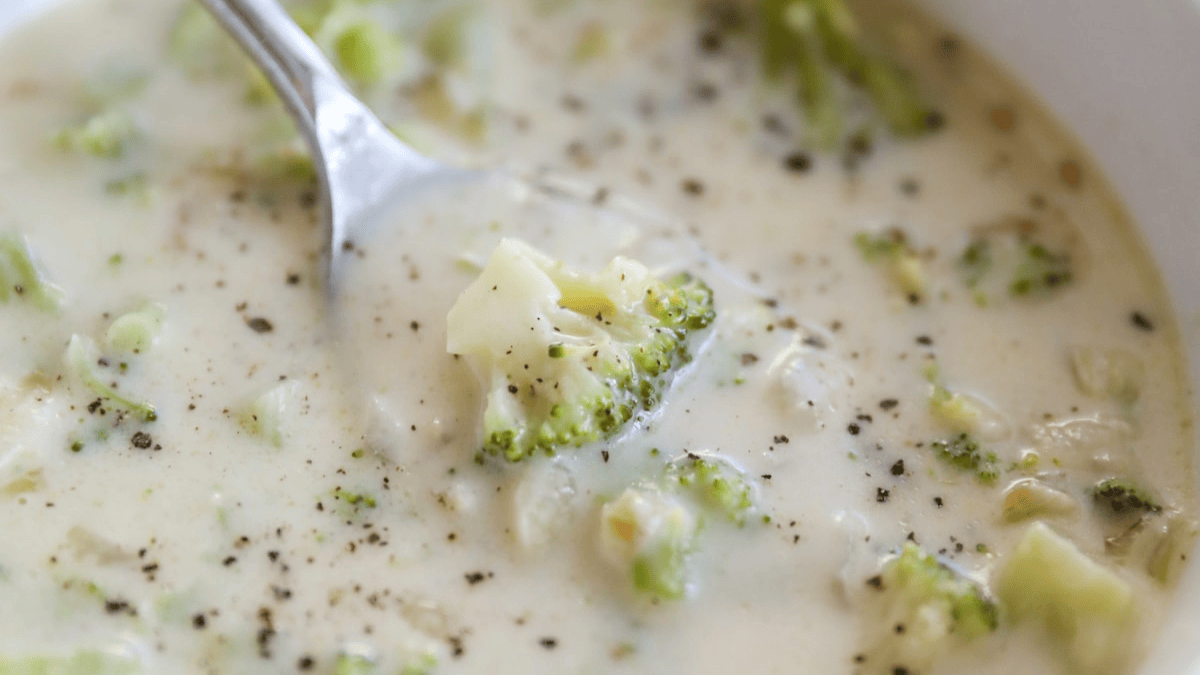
1121	496
20	276
813	38
717	485
964	452
571	358
1040	271
1027	266
107	134
651	534
926	607
903	264
1088	608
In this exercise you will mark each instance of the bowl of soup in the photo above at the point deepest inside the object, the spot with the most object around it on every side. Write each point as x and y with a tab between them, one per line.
872	350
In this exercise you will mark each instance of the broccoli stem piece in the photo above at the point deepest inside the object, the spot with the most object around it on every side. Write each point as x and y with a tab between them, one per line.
903	264
20	277
83	357
1090	609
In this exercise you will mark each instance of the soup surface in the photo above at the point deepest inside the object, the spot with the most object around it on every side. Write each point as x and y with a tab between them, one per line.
937	422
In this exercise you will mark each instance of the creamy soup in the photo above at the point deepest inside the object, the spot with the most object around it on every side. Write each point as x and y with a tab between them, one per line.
936	421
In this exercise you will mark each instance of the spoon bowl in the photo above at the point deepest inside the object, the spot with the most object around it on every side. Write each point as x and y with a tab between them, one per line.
361	166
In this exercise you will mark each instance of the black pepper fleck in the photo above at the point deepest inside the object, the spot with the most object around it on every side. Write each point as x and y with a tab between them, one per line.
898	468
141	440
260	325
798	162
881	495
1140	321
692	187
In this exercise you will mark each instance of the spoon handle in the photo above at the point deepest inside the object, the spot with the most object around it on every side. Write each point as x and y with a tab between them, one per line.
284	52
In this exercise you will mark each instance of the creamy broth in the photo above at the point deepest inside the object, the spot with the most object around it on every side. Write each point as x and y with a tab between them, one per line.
309	488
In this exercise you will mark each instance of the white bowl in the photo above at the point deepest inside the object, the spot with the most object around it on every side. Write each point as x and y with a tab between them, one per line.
1125	77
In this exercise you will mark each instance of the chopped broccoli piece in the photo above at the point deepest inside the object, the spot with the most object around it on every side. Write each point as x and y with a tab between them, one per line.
353	664
107	134
1089	608
954	410
434	103
355	498
592	43
927	607
445	37
903	264
134	186
1040	271
136	331
964	452
361	52
86	662
422	664
1121	496
1009	254
264	417
83	360
717	484
20	276
813	38
358	43
623	334
652	535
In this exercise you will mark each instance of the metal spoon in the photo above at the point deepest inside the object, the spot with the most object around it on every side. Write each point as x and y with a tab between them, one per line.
360	164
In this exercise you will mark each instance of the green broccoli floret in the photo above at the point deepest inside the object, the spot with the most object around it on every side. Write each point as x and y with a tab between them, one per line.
903	264
571	358
1028	266
964	452
717	485
107	134
926	607
813	38
651	534
20	276
1040	271
1121	496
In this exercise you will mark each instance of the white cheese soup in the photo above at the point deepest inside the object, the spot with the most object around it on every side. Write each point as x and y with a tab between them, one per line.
837	357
